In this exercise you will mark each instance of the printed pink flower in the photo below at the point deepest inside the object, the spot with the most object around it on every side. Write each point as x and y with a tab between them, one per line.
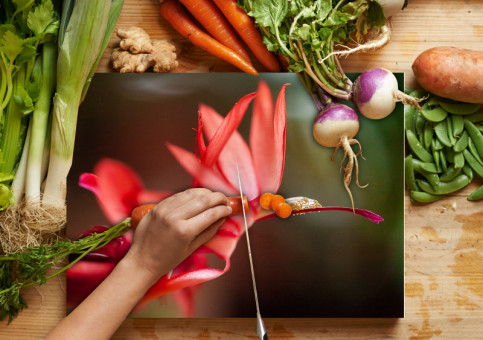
213	166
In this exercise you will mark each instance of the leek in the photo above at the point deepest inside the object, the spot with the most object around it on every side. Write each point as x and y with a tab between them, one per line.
84	28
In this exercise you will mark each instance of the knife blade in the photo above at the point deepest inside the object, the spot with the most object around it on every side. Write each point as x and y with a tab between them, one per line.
260	326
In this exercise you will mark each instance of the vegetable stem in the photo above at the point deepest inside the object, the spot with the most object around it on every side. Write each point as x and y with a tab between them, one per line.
39	123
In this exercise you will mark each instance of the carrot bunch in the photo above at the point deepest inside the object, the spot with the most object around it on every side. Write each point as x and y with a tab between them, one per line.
276	203
220	18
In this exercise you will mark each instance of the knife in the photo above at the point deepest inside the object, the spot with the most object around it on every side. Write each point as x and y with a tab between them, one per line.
260	326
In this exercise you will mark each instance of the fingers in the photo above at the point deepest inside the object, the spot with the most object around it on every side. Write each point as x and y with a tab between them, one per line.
208	217
207	234
199	203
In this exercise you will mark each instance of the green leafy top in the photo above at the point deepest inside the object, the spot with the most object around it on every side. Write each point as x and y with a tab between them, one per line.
311	28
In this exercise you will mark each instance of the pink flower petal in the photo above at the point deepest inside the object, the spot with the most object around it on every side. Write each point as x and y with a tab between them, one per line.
262	139
280	128
226	129
234	150
90	182
148	196
187	279
205	176
118	189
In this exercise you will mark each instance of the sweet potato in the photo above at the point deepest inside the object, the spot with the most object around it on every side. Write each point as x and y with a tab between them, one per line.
451	72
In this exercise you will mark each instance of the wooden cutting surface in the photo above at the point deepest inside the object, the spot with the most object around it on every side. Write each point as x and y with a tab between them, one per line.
443	241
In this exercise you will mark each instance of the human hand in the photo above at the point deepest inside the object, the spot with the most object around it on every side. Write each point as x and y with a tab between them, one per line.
175	228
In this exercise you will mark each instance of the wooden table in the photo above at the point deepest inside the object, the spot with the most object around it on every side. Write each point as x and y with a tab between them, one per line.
443	241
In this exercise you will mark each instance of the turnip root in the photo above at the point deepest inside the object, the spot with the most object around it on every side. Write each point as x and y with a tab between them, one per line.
336	126
391	7
375	93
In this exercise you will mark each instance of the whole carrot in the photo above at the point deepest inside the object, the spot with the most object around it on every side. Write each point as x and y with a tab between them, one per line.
234	202
245	27
176	15
210	17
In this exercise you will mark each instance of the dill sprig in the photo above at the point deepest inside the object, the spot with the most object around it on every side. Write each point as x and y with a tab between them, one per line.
29	265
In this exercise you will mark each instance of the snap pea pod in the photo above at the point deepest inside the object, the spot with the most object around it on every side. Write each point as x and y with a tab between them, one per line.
409	173
480	128
462	142
435	115
444	188
468	171
460	108
436	144
475	117
419	123
424	197
409	114
450	174
428	135
441	130
476	195
419	94
458	124
475	135
433	101
449	154
417	148
442	159
474	164
432	178
437	163
459	160
474	152
449	124
429	167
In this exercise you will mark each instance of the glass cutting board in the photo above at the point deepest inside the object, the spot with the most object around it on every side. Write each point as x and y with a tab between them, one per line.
328	264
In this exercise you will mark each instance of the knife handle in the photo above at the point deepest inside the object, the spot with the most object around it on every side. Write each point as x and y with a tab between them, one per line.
234	202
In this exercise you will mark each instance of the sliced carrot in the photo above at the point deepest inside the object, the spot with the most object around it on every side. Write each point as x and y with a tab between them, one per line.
177	16
276	201
210	17
236	205
265	200
245	27
283	210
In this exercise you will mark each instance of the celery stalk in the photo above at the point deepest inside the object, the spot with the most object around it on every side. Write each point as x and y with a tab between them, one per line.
83	30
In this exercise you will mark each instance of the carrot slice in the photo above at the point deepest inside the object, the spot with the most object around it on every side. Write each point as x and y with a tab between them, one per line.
276	201
210	17
283	210
236	204
245	27
265	200
177	16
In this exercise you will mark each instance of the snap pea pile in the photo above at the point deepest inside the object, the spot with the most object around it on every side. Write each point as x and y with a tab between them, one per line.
445	147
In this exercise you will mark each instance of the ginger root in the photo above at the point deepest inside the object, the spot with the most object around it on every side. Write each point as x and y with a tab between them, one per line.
135	40
131	55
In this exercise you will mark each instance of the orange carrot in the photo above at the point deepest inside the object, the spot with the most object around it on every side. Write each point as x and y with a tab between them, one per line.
177	16
210	17
245	27
236	204
138	213
283	210
276	201
265	200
